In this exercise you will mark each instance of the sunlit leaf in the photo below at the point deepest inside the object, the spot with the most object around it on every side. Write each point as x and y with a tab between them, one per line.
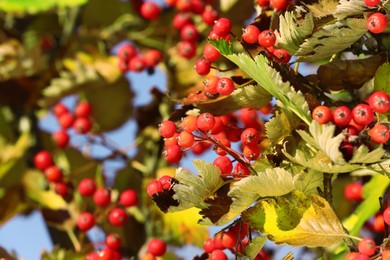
280	126
33	186
255	246
363	155
372	191
297	221
382	79
331	39
193	189
323	8
351	8
224	47
308	182
61	254
184	226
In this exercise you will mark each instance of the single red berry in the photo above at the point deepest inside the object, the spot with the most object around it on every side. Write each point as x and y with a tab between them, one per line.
113	241
184	5
117	217
186	49
210	53
85	221
137	64
60	109
61	188
66	120
202	67
362	114
150	10
189	33
185	140
208	245
240	170
252	152
102	197
152	58
367	246
157	247
92	256
128	198
218	126
181	19
82	125
379	101
250	118
282	55
53	173
322	114
224	164
386	216
379	224
189	123
172	153
251	34
377	23
205	122
372	3
267	38
87	187
154	187
167	128
222	27
109	254
43	160
210	85
83	109
250	136
342	115
379	134
218	254
61	138
197	6
126	52
209	15
353	191
229	239
279	5
386	254
356	256
263	3
225	86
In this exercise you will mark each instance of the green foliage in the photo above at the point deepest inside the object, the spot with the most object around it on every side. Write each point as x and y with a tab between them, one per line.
382	79
351	8
35	6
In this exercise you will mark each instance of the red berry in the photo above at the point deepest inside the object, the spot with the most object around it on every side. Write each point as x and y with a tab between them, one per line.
222	27
356	256
209	15
85	221
184	5
252	152
181	19
377	23
43	160
137	64
282	55
202	67
241	170
166	182
157	247
379	134
154	187
367	246
87	187
102	197
210	53
128	198
83	109
53	173
205	122
61	138
225	86
279	5
150	10
250	136
208	245
186	49
152	58
379	224
210	85
229	239
267	38
60	109
386	254
386	215
126	52
109	254
167	128
117	217
353	191
224	164
251	34
82	125
197	6
263	3
218	254
61	188
185	140
66	120
189	33
172	153
322	114
379	101
113	241
362	114
372	3
342	115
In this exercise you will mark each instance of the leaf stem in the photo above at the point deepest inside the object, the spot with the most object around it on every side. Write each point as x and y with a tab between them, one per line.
73	239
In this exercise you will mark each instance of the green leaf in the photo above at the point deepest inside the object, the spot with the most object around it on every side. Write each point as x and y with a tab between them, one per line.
297	221
255	246
323	8
372	191
280	126
249	96
363	155
36	6
12	203
223	46
294	28
351	8
59	253
382	78
332	39
267	77
33	182
308	182
322	137
192	190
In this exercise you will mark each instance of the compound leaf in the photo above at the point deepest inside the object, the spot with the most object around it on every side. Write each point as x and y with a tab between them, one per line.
351	8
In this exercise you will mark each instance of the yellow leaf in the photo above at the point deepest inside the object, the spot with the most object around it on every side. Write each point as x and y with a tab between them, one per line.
184	226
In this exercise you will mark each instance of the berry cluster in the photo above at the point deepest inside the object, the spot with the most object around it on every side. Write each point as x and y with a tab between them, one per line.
278	5
376	22
131	60
355	123
205	130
